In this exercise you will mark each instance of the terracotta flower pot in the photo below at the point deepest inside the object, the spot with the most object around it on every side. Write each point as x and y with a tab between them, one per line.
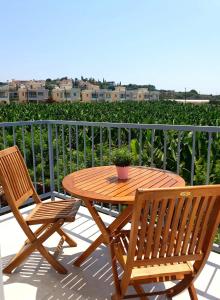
122	172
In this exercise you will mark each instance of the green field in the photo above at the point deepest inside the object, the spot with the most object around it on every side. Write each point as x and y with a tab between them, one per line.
129	112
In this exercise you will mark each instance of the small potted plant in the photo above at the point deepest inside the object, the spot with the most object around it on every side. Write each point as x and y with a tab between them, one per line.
122	159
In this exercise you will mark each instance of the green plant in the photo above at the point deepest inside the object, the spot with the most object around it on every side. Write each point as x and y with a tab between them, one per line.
122	157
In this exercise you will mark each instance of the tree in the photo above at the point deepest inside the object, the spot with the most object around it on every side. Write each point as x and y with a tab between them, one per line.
151	87
64	78
193	92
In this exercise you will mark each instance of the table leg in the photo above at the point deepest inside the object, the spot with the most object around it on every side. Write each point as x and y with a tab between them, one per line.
88	251
98	220
118	223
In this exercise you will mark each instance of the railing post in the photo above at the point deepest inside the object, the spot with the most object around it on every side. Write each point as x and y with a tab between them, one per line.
51	161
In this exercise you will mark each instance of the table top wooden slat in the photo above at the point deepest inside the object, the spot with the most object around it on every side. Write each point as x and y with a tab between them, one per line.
102	184
147	180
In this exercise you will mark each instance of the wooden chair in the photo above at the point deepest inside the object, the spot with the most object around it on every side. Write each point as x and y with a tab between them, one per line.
18	187
172	232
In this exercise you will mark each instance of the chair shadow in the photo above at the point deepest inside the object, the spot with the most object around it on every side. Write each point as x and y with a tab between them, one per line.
79	283
205	293
93	280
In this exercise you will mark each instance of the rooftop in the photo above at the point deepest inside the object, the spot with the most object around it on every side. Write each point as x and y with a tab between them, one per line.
36	280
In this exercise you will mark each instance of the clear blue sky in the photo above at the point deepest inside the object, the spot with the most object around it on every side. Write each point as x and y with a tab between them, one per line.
172	44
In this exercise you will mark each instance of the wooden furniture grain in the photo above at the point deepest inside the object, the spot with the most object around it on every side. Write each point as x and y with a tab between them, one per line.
172	233
18	187
102	184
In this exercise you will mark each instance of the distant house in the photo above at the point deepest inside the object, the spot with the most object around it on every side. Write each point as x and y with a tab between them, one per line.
34	91
92	94
142	94
154	95
65	92
4	94
23	91
35	84
32	94
86	85
89	95
118	94
66	84
31	84
100	95
62	94
13	95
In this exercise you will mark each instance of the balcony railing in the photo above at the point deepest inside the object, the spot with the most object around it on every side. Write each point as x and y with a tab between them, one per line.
52	149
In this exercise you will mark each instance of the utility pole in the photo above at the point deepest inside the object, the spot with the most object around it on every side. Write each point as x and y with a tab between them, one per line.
185	95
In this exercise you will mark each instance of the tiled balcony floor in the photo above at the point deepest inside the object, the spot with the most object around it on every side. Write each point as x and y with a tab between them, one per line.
36	280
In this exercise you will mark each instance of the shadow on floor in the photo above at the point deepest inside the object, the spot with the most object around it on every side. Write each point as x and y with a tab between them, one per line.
93	280
36	280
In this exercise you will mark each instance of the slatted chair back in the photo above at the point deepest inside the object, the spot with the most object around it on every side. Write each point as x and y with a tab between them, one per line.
15	179
173	225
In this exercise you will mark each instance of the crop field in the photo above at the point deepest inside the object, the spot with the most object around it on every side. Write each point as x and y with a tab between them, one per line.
161	112
76	147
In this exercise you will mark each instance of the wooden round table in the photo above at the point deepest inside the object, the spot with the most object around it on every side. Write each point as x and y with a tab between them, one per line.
102	184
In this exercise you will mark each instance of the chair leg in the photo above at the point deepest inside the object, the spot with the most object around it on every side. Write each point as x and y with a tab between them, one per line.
68	239
117	295
139	289
54	263
192	292
23	253
179	287
88	251
38	232
50	258
30	246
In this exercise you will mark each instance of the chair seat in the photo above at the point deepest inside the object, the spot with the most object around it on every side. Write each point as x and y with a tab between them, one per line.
155	271
169	270
50	212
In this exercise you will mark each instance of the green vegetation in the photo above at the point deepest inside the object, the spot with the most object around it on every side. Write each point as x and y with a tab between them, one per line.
70	154
130	112
122	157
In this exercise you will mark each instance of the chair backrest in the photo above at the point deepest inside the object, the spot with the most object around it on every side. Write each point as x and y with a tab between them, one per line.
174	224
15	179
